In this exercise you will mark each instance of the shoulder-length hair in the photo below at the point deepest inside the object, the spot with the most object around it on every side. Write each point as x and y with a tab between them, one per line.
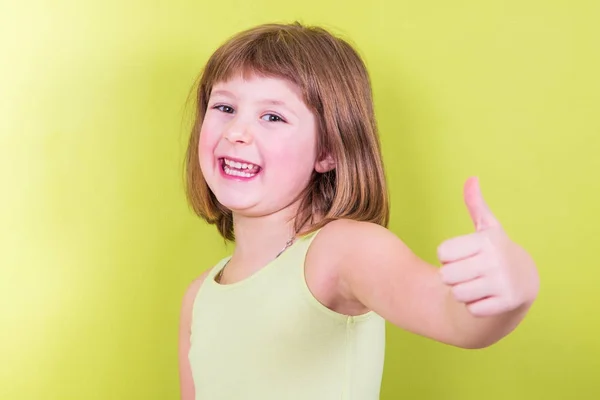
337	89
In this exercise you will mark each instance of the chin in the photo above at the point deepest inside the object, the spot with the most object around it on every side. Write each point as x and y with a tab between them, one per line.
236	204
249	208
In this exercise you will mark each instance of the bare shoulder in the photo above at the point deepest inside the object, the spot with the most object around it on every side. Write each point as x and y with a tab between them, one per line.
364	248
345	237
335	251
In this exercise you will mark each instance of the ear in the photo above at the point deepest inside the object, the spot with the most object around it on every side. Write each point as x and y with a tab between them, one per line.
325	164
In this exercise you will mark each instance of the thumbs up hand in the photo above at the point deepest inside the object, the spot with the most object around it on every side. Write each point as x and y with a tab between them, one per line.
486	271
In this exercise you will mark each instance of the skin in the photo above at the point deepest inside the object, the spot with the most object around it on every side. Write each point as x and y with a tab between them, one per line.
482	291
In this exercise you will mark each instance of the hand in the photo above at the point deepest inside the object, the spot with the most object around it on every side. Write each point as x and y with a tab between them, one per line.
486	270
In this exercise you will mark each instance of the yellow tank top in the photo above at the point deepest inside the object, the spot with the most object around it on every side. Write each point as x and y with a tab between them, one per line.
267	337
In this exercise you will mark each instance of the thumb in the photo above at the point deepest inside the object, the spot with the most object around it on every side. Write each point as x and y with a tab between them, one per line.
478	209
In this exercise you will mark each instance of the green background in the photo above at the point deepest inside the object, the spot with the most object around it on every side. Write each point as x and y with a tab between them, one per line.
97	243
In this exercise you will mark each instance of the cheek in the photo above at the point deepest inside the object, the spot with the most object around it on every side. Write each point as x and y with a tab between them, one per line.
206	146
207	135
293	160
205	143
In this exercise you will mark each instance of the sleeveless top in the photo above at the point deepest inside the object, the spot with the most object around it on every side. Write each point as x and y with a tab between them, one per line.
267	337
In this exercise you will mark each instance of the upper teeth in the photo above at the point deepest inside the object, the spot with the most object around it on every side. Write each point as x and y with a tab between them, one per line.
235	164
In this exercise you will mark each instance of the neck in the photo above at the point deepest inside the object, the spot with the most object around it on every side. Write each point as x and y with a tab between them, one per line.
262	238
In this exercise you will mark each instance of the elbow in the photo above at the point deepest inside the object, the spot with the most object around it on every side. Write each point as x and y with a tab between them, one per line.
479	342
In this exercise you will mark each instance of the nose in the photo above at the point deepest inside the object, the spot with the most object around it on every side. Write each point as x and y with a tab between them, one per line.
238	131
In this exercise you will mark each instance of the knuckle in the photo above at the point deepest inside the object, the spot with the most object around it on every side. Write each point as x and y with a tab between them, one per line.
441	250
460	293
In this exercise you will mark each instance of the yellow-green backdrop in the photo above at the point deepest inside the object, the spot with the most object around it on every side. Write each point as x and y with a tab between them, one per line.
97	244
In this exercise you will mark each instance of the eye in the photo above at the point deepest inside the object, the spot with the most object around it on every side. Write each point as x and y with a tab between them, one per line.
224	108
272	118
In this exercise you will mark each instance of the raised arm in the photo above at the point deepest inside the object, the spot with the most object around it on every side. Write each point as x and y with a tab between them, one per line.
482	292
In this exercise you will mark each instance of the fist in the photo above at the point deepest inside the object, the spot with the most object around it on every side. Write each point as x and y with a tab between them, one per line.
485	270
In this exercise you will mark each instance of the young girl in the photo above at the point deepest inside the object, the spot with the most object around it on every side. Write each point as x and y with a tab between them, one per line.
285	160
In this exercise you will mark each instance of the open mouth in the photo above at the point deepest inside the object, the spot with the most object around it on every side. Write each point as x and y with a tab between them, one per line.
238	169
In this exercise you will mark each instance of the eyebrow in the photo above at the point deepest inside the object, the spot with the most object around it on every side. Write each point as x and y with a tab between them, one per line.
274	102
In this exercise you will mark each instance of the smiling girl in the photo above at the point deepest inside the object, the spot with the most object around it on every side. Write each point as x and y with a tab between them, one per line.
284	158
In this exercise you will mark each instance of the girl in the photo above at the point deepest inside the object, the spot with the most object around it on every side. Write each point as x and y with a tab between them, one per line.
284	159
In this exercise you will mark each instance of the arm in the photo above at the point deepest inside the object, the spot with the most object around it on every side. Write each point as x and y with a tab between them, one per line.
379	271
482	292
185	373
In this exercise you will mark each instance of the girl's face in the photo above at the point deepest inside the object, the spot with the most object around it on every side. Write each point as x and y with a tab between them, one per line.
257	144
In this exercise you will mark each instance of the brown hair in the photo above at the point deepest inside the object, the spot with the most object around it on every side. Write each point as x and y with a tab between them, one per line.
336	87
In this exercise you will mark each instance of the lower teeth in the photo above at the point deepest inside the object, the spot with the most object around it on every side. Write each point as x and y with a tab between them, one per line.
235	172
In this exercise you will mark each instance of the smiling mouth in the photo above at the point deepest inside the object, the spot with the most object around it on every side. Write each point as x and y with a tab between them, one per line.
239	169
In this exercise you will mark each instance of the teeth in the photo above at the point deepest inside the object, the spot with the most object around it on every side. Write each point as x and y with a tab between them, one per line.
237	165
234	172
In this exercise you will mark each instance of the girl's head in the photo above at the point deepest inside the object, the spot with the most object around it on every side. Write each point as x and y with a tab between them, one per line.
285	119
